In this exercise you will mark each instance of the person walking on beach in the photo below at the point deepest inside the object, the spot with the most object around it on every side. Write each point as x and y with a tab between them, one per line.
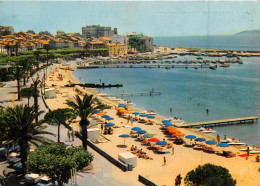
218	138
164	161
247	153
172	150
131	120
178	180
102	128
170	109
68	134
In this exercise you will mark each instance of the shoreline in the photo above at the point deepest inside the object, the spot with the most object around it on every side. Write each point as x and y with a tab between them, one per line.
184	157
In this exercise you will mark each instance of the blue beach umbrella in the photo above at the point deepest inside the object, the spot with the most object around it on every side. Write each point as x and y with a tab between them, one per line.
143	115
96	111
223	145
200	139
110	124
136	128
141	132
124	136
135	113
168	125
165	121
109	118
161	143
121	105
211	142
151	117
190	137
105	116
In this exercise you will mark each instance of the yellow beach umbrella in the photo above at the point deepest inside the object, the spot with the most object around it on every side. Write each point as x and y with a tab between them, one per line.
128	111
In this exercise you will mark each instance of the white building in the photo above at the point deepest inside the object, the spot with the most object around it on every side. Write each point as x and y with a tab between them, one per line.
97	31
119	39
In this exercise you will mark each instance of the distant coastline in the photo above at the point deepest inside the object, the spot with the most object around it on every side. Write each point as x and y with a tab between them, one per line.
239	42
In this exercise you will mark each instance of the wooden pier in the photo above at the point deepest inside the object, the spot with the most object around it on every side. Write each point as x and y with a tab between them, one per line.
133	93
245	120
145	66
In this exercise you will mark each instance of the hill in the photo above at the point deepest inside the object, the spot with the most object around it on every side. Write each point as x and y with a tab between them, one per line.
249	33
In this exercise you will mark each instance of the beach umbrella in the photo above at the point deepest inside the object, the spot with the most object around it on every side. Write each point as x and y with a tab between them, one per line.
161	143
148	135
179	134
168	122
211	142
96	111
223	145
120	108
190	137
172	128
151	117
109	118
200	139
141	132
105	116
101	113
124	136
174	131
168	125
128	111
143	115
136	128
110	124
165	121
153	139
135	113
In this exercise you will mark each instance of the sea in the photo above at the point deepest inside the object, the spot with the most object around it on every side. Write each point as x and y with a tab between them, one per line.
227	93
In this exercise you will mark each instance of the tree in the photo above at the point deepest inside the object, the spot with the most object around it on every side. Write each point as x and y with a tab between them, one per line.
21	130
209	175
58	117
45	33
27	93
87	47
84	108
56	161
36	54
17	73
30	32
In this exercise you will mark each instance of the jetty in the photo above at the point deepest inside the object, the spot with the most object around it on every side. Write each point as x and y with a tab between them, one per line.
145	66
244	120
133	93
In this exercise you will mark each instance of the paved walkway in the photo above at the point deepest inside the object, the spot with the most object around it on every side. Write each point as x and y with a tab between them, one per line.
103	172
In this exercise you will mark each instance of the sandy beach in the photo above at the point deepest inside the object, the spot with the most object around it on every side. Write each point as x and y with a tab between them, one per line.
181	162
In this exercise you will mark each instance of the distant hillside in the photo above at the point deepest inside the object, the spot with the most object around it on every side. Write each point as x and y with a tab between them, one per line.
249	33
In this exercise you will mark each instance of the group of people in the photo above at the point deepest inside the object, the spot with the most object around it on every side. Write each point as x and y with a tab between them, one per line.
139	152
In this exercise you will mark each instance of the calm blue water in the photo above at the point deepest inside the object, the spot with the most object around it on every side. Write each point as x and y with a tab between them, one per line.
235	42
227	92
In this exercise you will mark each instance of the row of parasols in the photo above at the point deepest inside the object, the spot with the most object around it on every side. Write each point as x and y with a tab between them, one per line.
208	142
150	136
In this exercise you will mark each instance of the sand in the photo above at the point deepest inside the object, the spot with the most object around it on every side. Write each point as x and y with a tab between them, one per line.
181	162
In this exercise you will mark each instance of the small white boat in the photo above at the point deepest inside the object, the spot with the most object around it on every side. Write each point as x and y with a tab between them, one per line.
208	130
176	121
237	143
149	112
254	152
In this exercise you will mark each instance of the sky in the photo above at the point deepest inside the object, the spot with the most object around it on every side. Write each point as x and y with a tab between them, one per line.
152	18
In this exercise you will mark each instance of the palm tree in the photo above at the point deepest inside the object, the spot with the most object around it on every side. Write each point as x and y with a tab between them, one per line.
27	93
84	108
21	129
58	117
17	73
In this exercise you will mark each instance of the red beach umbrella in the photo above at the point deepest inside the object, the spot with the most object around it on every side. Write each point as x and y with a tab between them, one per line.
153	139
